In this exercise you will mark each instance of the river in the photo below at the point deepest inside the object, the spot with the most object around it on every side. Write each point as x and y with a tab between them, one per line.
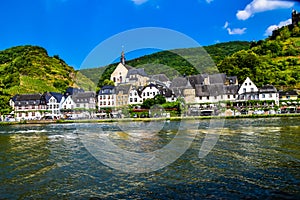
251	159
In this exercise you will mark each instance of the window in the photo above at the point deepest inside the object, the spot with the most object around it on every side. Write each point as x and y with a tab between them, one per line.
252	89
114	79
250	83
207	97
228	96
135	99
263	96
270	95
147	94
130	100
244	90
246	84
200	98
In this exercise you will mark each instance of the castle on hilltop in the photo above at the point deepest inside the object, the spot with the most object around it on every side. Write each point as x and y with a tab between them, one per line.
295	17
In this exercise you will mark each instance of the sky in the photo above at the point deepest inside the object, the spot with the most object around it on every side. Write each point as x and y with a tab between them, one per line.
73	28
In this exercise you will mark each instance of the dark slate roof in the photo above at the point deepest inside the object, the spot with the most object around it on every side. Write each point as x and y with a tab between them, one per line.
210	90
201	91
267	89
14	98
150	85
217	79
136	71
196	80
178	91
166	92
128	67
57	96
123	87
231	89
179	82
30	99
71	91
231	79
107	90
291	92
160	77
83	97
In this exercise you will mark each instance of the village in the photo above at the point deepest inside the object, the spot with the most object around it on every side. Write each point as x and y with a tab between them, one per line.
202	94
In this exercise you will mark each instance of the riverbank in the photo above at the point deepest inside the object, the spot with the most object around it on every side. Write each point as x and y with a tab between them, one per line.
110	120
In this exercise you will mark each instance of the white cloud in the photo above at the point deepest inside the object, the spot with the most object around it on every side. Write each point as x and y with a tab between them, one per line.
236	31
257	6
226	25
139	2
273	27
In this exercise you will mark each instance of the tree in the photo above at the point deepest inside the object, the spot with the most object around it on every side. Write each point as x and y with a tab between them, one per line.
108	82
159	99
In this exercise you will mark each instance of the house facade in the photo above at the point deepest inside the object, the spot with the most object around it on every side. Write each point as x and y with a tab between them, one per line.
135	96
54	104
107	97
29	106
122	94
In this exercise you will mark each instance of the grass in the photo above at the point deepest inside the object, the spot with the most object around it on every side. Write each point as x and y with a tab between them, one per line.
31	85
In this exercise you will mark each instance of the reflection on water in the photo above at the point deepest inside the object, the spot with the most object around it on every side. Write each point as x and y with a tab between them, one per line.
253	158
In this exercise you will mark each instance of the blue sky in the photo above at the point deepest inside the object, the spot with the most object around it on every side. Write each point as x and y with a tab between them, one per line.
73	28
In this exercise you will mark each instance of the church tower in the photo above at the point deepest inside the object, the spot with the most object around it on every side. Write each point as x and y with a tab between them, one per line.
123	58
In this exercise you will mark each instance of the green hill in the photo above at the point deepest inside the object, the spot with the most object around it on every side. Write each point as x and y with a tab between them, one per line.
29	69
180	61
275	60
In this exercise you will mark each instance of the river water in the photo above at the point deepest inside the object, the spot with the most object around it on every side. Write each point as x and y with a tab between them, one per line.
252	159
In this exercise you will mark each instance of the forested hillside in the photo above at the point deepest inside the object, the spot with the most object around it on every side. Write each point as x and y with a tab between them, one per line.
275	60
172	63
29	69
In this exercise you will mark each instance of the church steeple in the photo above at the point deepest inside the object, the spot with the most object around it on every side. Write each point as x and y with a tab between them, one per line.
123	58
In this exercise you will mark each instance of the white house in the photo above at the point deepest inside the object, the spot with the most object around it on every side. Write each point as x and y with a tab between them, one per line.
107	97
29	106
149	92
134	96
54	104
248	91
269	92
